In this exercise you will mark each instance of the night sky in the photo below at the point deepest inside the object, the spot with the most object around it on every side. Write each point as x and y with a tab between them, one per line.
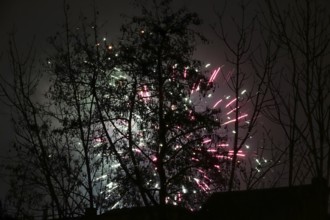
39	19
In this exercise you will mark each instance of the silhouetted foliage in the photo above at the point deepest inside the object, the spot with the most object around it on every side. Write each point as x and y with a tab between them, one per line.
119	125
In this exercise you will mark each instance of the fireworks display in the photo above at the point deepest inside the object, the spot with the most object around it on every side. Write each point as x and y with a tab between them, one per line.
218	145
159	132
136	118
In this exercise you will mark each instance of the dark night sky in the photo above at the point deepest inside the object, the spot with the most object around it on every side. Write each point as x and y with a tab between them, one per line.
42	18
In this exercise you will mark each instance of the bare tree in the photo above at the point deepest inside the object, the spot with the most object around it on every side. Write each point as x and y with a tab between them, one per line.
31	146
301	88
55	162
251	56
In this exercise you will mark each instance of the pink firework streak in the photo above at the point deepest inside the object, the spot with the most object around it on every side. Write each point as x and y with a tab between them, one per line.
218	102
233	120
202	185
239	153
214	75
231	111
231	102
185	73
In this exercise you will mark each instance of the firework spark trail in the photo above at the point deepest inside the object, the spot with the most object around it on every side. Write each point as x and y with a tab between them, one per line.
185	73
214	75
233	120
207	141
203	174
238	153
216	104
202	185
231	111
231	102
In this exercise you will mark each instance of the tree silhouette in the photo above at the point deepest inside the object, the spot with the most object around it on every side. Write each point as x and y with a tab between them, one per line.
250	59
120	125
160	142
301	88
